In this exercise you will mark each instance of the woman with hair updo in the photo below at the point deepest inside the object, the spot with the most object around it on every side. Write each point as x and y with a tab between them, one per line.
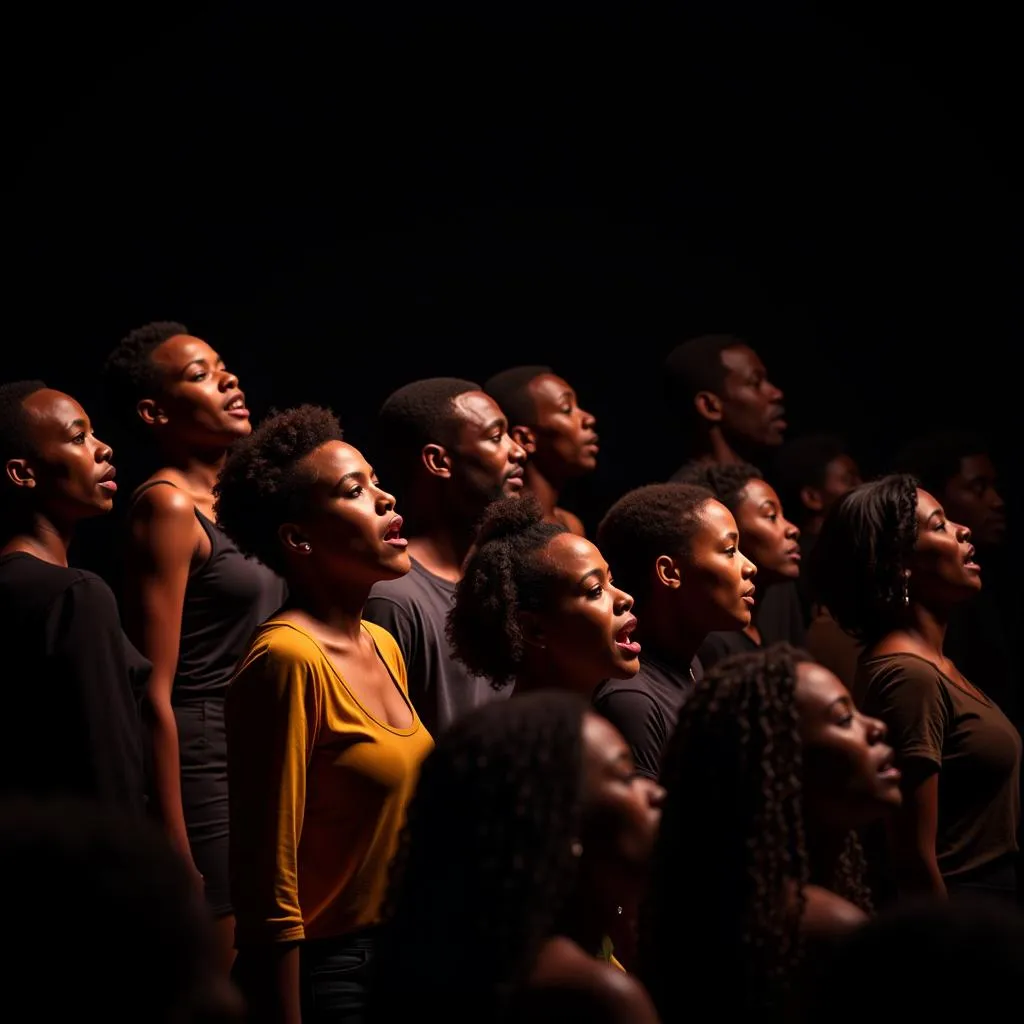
324	746
757	864
528	826
536	606
891	569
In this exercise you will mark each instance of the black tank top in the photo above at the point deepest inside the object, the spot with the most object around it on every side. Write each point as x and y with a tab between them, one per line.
226	599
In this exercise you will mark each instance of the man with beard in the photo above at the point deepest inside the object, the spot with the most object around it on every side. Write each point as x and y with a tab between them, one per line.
441	446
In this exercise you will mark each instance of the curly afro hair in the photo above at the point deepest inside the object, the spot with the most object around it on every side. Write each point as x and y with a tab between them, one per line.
646	522
505	574
261	485
860	562
129	373
485	865
722	902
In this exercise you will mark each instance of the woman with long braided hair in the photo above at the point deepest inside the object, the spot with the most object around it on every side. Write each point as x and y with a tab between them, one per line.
769	772
528	826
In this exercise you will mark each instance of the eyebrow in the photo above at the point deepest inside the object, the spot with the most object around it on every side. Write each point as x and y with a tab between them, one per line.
78	424
590	572
566	395
203	361
938	512
499	422
352	474
731	535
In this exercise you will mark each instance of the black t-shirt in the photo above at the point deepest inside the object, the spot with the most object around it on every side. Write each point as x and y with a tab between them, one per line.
779	616
645	708
70	687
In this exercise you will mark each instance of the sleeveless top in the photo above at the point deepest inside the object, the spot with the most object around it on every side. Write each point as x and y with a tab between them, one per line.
226	599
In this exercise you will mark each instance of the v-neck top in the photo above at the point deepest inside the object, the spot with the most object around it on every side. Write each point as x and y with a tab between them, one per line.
319	788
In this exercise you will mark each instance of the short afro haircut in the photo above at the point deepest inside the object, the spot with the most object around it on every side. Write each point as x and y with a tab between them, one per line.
261	485
15	437
413	416
511	390
693	366
129	373
645	523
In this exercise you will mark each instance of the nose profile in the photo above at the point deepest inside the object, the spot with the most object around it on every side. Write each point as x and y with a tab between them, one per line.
517	452
228	380
792	531
385	500
656	794
775	393
963	534
877	730
589	419
749	569
104	453
624	603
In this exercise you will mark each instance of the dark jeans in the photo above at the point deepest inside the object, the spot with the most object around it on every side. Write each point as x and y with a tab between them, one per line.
334	978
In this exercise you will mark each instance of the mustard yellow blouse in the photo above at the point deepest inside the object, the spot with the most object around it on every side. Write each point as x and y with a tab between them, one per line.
318	789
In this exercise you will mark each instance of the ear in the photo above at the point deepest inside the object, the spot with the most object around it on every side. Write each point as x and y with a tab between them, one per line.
525	438
533	629
20	473
812	499
667	570
437	460
150	413
293	539
708	406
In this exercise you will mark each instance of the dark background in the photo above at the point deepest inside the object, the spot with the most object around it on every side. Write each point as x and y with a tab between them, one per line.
343	202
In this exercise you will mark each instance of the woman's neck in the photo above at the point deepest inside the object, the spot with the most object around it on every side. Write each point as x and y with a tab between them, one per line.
199	467
338	612
824	850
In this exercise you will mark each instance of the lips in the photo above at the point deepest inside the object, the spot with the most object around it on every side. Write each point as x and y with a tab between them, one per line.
748	596
236	404
623	639
969	562
515	478
887	768
107	480
393	533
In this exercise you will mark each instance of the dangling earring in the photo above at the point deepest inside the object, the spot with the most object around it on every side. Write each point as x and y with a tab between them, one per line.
906	589
305	546
576	848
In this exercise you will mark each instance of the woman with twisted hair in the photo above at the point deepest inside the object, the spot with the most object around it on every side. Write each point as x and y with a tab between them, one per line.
769	772
536	606
891	569
527	823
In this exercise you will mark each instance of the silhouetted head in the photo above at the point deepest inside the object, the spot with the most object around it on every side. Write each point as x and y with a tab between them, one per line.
111	887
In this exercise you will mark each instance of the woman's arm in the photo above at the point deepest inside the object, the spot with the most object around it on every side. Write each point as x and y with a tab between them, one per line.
161	547
911	833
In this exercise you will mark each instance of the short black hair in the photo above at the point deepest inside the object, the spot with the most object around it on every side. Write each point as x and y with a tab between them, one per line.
725	480
648	521
260	486
129	373
934	458
859	563
415	415
510	389
504	574
693	366
801	463
15	438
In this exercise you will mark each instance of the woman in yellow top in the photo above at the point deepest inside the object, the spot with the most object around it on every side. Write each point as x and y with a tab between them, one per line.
324	747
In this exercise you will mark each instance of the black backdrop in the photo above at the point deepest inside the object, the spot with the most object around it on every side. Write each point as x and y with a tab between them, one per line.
341	202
